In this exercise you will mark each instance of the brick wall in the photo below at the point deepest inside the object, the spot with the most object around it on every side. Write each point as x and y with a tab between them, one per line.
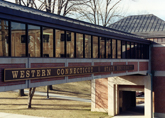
2	66
119	63
101	93
39	65
159	93
102	64
135	66
143	66
76	65
157	60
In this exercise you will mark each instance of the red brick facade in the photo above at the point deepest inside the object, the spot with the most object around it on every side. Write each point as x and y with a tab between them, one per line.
119	63
39	65
101	93
159	93
102	64
2	66
79	64
135	66
157	59
143	66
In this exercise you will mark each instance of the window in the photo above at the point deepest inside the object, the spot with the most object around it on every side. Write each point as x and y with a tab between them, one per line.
45	38
23	39
34	46
123	50
142	51
17	33
132	51
128	50
146	51
47	42
70	44
102	47
60	42
108	48
113	48
4	38
119	49
95	47
139	51
87	46
79	45
136	51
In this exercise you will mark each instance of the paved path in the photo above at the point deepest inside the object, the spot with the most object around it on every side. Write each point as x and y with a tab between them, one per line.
60	96
137	112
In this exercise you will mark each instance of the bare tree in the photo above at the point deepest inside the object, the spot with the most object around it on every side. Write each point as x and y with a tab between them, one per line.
60	7
100	12
31	94
3	31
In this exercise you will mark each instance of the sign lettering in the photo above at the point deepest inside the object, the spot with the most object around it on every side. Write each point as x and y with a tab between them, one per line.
39	73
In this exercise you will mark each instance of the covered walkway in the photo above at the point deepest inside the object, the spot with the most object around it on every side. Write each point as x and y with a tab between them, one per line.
137	112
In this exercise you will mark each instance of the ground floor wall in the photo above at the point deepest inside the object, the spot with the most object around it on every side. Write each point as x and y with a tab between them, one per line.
158	69
158	94
105	93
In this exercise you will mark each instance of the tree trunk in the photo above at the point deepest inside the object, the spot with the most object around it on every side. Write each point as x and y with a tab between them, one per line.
21	92
31	93
49	87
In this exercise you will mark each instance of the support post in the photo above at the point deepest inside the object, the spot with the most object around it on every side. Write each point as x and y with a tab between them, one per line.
111	97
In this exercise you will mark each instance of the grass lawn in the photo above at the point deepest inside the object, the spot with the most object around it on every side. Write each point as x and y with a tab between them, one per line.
53	107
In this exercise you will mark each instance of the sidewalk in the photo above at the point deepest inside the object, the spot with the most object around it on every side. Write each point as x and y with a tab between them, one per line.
59	96
10	115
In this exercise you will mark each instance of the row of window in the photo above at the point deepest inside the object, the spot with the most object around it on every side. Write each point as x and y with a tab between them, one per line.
49	42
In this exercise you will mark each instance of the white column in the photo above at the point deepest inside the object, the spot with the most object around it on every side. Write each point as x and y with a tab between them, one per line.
111	97
117	99
93	95
148	100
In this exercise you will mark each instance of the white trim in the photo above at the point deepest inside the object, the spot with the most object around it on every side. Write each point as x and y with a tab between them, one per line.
12	87
159	73
60	60
158	45
13	60
159	115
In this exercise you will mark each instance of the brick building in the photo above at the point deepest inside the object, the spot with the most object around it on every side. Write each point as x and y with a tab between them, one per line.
151	28
39	48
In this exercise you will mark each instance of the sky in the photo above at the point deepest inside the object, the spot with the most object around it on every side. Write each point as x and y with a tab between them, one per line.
137	7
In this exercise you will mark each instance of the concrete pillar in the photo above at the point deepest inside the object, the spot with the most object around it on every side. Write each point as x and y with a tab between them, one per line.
93	95
117	100
111	97
148	100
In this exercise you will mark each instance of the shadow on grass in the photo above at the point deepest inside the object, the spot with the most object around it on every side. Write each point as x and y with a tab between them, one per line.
43	108
60	105
44	98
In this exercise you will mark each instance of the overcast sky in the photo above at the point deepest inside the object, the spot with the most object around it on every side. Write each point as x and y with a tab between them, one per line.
137	7
156	7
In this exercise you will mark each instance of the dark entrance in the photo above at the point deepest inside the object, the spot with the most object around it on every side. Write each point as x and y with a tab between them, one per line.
129	105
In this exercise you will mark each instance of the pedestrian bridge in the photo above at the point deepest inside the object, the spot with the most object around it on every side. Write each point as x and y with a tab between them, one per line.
39	49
